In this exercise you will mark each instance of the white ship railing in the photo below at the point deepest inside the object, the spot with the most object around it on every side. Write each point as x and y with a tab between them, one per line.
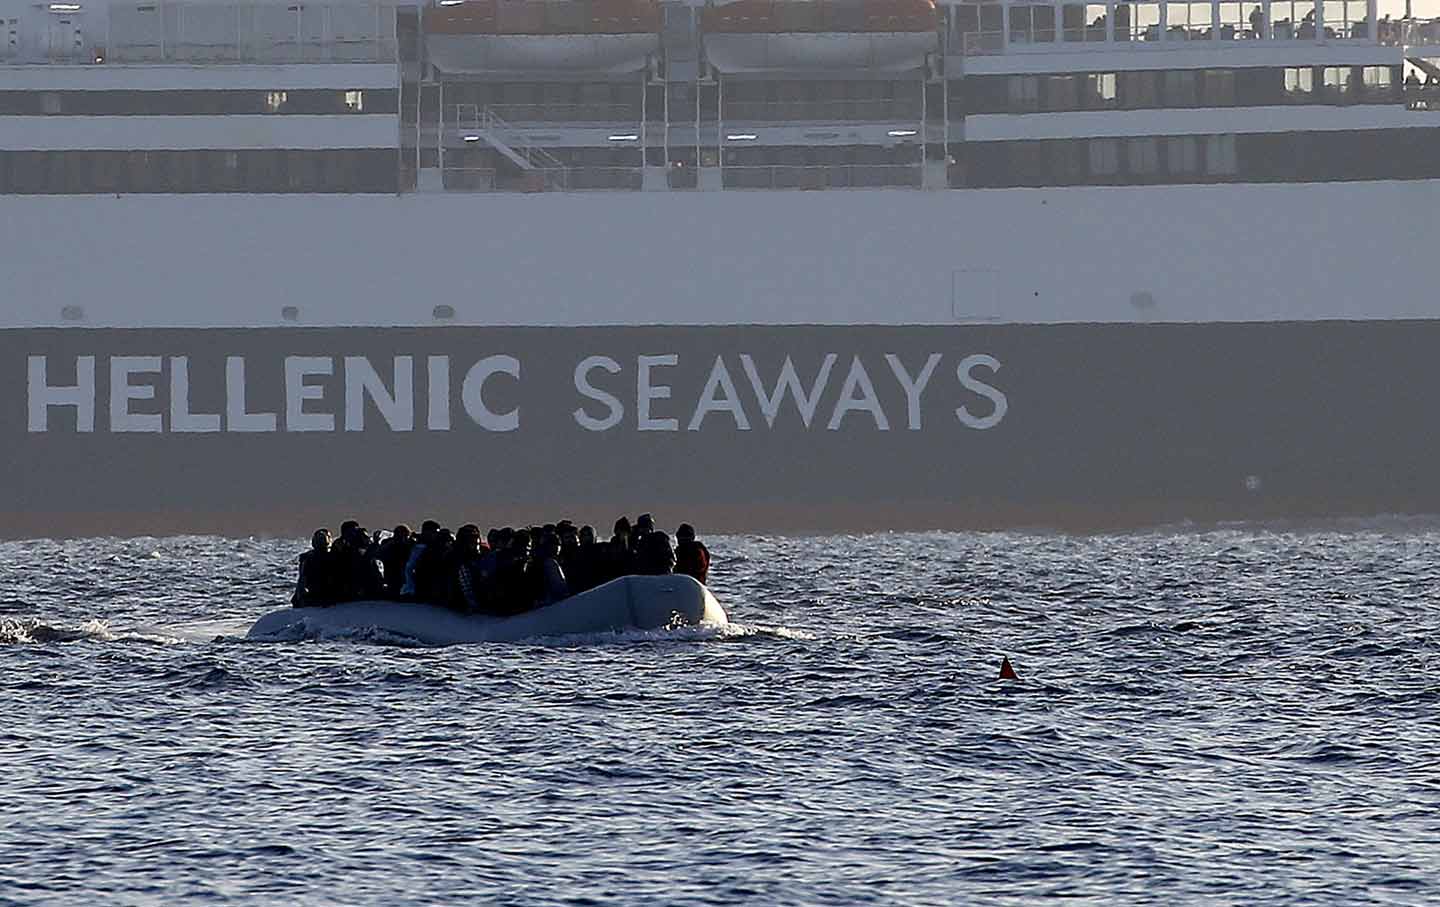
1041	27
1413	33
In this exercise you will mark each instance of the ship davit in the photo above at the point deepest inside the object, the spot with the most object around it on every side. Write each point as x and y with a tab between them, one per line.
628	603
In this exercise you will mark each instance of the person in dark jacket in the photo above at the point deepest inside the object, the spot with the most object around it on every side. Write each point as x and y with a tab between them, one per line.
467	590
692	558
655	556
359	572
318	582
545	577
394	554
588	567
512	595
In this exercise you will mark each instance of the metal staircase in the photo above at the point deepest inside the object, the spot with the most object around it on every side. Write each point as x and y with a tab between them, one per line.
489	127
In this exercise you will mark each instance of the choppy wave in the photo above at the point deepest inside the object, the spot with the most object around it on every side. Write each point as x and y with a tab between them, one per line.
1236	714
36	631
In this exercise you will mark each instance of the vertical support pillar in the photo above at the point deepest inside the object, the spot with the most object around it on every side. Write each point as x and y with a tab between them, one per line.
1214	20
1319	21
440	133
720	125
1268	26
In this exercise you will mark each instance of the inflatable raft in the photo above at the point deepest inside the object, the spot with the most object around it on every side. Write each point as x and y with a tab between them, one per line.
628	603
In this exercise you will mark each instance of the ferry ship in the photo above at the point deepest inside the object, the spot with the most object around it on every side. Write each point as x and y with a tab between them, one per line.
764	265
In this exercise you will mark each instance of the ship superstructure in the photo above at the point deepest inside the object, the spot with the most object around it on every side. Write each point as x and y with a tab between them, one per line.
574	95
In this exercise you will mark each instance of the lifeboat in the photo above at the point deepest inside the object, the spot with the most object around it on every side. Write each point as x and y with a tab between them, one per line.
848	35
527	37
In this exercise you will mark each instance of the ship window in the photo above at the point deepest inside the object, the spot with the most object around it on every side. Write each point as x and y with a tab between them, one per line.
274	101
1379	81
1099	90
1179	88
1060	93
1293	19
1032	24
1220	155
1137	89
1104	157
1024	94
355	101
1219	88
1144	156
1299	81
1072	19
1336	81
1067	161
1142	19
1188	21
1182	154
1233	23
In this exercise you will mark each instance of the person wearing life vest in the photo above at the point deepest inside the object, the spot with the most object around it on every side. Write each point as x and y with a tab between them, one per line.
692	558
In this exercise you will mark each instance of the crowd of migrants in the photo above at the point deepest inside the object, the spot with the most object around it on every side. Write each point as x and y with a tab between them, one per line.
506	571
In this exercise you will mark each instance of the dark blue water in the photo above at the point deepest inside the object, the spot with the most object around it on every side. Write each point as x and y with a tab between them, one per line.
1238	717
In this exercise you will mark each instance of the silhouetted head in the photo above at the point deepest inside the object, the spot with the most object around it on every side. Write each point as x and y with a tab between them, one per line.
347	528
587	535
493	537
320	541
429	529
520	544
401	532
644	523
447	537
622	526
467	538
686	533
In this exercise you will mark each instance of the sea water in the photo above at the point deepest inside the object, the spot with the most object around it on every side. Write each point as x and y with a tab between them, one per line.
1245	715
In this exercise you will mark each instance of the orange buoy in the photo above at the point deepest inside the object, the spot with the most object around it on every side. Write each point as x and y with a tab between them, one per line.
1007	671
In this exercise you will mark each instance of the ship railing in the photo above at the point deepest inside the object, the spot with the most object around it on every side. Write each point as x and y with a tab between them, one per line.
1412	33
821	176
247	32
823	111
563	179
1392	32
566	113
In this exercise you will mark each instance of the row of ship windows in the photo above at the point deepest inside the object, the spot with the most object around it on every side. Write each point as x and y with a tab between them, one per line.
1182	88
1268	157
197	103
980	25
1261	157
90	172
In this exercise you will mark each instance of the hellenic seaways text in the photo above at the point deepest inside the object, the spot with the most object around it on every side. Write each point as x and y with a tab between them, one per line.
664	392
